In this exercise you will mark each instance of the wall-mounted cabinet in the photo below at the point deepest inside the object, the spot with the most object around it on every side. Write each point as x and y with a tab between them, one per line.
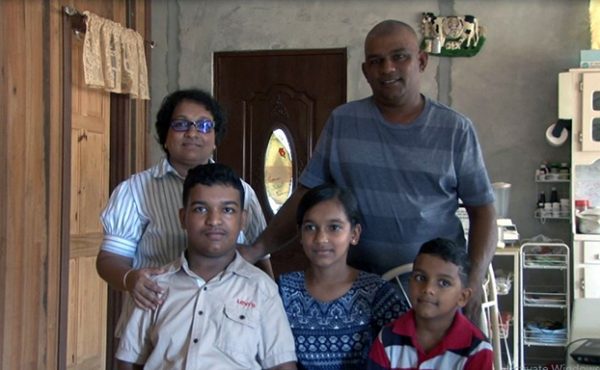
579	99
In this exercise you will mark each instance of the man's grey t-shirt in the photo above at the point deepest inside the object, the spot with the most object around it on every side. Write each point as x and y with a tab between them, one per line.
407	178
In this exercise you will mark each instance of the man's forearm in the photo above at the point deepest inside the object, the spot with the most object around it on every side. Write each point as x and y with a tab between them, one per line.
483	238
265	265
281	230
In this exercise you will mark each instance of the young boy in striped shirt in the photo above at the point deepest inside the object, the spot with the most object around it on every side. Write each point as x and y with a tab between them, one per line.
434	334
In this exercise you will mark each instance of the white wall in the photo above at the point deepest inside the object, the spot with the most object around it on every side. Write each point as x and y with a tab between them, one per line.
509	89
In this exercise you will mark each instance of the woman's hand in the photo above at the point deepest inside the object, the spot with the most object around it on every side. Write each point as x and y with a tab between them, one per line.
146	293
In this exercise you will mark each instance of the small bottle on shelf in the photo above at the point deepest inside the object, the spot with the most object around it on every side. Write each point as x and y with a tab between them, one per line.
542	171
555	202
547	212
553	195
553	172
564	171
541	199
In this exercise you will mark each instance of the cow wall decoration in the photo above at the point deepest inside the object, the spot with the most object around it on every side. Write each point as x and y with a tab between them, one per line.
451	36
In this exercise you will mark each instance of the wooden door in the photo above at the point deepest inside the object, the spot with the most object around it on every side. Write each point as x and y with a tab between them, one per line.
100	137
90	143
87	138
262	91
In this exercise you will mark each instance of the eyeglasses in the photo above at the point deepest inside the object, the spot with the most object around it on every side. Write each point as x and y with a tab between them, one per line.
204	125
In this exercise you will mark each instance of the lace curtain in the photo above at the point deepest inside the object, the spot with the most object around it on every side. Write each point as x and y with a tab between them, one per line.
114	58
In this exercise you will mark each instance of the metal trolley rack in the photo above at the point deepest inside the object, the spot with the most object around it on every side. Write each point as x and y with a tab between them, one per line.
545	309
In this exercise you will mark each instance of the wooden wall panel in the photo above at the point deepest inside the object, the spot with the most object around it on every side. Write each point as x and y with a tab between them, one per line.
24	190
142	120
31	189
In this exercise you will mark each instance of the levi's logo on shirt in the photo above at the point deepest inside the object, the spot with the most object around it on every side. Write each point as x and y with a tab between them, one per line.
246	304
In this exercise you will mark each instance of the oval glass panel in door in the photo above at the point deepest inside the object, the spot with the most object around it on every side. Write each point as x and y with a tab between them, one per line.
279	178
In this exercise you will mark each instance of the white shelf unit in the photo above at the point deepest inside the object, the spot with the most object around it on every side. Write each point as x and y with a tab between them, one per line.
545	302
507	260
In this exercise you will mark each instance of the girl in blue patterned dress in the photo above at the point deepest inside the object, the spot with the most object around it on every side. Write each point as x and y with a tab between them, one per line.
334	310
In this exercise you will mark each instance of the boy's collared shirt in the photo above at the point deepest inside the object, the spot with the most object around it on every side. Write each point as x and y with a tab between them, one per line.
141	221
462	347
234	321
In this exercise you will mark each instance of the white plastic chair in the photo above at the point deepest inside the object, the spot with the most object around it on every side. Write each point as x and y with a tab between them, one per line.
393	276
490	316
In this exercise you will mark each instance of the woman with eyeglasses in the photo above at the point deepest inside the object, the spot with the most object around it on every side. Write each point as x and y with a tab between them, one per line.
141	223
